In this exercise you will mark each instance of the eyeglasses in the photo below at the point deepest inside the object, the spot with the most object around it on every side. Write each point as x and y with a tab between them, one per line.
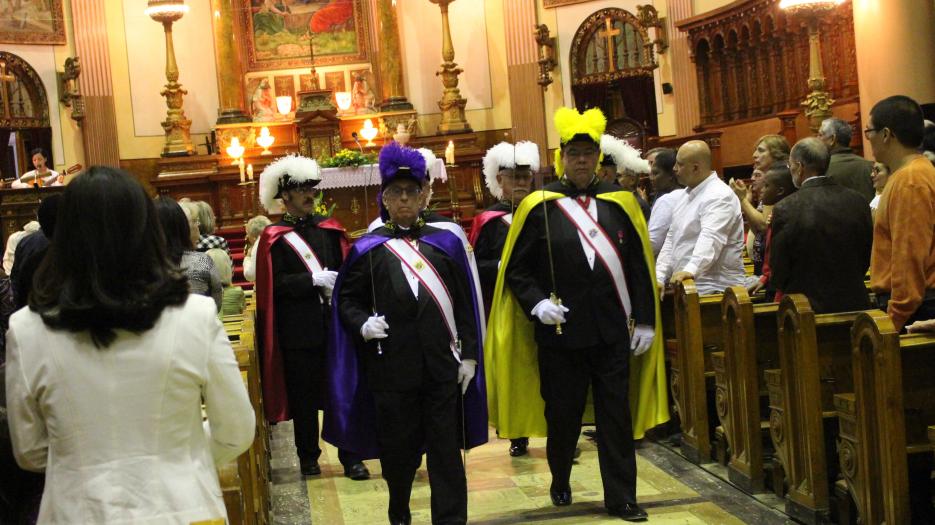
395	192
868	131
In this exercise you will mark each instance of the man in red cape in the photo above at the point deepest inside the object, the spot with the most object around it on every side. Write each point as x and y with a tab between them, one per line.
297	261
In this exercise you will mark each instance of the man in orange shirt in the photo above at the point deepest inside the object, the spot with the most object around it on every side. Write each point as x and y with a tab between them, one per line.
902	264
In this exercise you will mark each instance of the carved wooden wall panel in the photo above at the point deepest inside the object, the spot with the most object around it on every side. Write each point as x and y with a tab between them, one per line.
751	60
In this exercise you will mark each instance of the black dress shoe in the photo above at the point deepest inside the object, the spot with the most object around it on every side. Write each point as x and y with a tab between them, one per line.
518	447
309	468
561	498
630	512
405	520
357	472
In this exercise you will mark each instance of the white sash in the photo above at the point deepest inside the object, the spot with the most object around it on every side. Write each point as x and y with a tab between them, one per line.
508	219
594	235
428	276
304	251
472	264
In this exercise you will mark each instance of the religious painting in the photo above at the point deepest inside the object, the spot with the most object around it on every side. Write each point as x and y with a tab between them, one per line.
32	22
334	81
285	86
363	97
279	33
308	82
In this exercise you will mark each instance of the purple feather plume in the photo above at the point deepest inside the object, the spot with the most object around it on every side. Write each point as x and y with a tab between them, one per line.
393	157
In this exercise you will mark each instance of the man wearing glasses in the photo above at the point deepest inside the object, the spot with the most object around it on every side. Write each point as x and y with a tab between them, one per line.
902	263
406	349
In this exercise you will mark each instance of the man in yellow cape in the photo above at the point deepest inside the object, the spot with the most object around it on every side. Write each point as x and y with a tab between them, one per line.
516	340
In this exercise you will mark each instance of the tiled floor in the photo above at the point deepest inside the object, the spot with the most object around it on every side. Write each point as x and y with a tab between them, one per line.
507	491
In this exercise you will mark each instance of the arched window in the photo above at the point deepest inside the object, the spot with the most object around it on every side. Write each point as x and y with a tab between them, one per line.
24	116
611	44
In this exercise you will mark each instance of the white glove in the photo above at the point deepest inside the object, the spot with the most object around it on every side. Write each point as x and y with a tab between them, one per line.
549	312
642	339
325	279
466	373
374	328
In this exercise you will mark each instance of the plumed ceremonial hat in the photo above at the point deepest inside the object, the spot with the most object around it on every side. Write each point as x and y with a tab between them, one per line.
621	154
431	164
400	161
507	156
572	126
291	171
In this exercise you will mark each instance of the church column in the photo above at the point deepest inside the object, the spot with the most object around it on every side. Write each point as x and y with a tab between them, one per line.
527	104
688	106
391	58
99	128
902	63
228	57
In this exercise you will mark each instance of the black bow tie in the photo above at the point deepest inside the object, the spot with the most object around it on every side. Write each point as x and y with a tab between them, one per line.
298	222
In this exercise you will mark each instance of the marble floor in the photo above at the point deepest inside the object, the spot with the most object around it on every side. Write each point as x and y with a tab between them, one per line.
506	491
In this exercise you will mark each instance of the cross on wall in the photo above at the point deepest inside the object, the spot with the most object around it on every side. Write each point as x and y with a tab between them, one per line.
609	33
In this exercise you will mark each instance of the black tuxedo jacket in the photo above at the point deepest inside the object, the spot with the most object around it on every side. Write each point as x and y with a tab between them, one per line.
417	350
301	318
820	247
489	248
595	316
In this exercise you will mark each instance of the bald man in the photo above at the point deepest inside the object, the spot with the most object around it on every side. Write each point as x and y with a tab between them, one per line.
705	240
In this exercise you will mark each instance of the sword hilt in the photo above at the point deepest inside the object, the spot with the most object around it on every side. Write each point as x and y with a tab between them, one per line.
554	299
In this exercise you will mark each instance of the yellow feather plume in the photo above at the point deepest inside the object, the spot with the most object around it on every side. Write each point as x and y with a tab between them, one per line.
569	123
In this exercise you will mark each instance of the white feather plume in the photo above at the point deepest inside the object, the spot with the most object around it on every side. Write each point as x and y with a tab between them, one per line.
505	155
299	168
624	155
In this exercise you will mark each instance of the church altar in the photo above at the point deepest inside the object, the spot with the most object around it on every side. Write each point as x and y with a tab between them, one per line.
368	175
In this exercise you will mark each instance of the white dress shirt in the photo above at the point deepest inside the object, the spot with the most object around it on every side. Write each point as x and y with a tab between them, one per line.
705	238
585	245
119	430
661	218
249	263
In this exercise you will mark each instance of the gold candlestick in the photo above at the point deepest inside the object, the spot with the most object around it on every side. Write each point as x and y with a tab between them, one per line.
451	104
176	125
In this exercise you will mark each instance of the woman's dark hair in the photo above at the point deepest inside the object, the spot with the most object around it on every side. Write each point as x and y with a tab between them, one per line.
38	151
107	267
175	227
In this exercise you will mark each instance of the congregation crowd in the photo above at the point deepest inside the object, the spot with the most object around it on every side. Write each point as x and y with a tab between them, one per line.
420	336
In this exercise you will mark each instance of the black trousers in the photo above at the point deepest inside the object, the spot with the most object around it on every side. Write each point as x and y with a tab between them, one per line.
306	388
565	377
409	420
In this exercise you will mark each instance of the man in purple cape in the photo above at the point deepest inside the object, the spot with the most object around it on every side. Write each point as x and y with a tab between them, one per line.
405	371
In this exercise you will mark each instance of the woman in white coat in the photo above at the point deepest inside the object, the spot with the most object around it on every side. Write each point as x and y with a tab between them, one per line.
108	367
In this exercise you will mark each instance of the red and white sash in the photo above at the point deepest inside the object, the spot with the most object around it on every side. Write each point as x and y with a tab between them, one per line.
301	248
597	238
420	266
304	251
507	219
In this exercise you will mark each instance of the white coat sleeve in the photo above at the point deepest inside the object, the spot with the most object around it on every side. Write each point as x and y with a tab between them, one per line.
231	419
27	424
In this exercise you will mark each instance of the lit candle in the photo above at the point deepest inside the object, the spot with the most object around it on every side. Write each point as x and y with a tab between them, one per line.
450	153
242	177
250	172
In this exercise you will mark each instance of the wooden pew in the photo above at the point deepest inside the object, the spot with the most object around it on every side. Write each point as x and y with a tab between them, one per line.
750	348
247	492
815	364
887	423
698	330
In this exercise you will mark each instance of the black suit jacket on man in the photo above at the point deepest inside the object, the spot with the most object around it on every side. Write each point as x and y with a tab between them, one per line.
821	240
418	344
595	316
489	248
300	313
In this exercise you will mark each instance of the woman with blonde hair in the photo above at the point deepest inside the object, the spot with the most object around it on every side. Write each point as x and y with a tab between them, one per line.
232	297
769	150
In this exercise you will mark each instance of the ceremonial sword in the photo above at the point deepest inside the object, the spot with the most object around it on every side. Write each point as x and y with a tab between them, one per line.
373	289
